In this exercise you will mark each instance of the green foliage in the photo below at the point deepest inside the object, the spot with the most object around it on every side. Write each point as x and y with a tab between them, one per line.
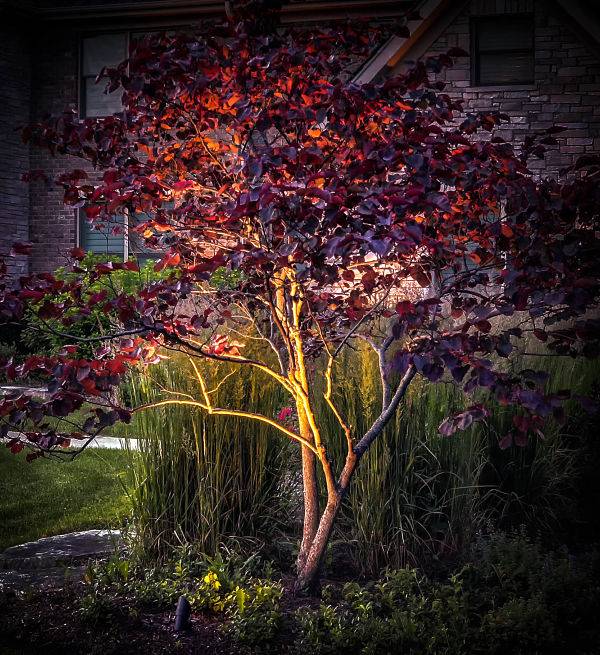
208	479
220	585
429	495
512	598
37	336
254	613
224	278
510	595
400	613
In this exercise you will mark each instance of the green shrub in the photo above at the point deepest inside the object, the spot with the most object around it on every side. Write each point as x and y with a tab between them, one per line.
429	495
520	626
254	613
201	479
37	336
512	597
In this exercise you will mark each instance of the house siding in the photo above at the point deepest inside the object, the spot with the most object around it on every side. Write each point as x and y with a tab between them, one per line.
566	89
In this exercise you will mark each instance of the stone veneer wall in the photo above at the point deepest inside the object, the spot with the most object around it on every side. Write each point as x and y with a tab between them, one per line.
566	90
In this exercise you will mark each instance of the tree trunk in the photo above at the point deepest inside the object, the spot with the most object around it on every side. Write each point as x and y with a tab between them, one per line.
307	581
310	492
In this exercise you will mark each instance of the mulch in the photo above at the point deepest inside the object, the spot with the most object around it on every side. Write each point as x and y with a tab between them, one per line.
49	621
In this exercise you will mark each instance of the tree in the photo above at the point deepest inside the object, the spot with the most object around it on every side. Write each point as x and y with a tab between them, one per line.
297	208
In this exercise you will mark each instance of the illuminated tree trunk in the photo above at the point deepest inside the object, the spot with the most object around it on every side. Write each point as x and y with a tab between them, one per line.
307	580
310	491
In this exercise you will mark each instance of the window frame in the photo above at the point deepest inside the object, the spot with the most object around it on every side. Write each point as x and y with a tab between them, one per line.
82	111
476	50
80	218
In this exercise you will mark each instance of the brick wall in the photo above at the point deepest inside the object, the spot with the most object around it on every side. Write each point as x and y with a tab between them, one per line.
53	226
15	85
566	90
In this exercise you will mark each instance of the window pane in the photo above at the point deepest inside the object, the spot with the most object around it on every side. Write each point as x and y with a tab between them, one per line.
505	33
104	50
109	240
98	103
505	68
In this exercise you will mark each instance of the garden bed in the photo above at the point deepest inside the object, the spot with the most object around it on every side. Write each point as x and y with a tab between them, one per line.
509	596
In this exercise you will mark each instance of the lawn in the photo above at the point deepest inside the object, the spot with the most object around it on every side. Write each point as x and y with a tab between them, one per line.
48	497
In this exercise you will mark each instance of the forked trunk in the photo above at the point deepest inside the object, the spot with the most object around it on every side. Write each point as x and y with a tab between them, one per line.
309	571
307	581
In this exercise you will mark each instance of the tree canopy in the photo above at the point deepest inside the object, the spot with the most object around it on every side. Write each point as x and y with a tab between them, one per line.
290	203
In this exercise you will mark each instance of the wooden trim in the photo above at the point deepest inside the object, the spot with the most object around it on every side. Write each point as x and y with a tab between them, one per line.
162	8
395	47
378	61
436	8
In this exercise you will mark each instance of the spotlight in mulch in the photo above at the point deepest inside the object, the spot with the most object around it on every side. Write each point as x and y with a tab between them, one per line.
182	614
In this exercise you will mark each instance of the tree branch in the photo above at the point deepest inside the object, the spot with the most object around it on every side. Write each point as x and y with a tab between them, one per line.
375	430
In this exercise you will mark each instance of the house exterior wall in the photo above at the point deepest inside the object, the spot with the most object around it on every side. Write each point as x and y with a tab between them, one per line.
39	75
53	226
566	90
15	91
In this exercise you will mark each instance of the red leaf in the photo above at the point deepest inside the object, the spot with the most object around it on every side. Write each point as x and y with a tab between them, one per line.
404	308
182	185
77	253
105	267
90	386
93	211
20	248
16	447
169	260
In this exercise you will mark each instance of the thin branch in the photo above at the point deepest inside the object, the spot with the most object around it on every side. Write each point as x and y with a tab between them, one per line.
362	320
102	337
375	430
230	412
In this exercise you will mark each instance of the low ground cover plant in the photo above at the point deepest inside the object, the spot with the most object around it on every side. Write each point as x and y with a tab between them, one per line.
509	595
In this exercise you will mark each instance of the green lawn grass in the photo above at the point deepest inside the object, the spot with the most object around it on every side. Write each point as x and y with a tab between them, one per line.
48	497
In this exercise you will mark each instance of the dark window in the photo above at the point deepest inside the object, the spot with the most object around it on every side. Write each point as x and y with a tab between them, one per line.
502	50
111	238
96	53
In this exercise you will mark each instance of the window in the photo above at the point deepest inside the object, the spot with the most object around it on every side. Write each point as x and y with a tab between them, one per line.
114	238
96	53
110	240
502	50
